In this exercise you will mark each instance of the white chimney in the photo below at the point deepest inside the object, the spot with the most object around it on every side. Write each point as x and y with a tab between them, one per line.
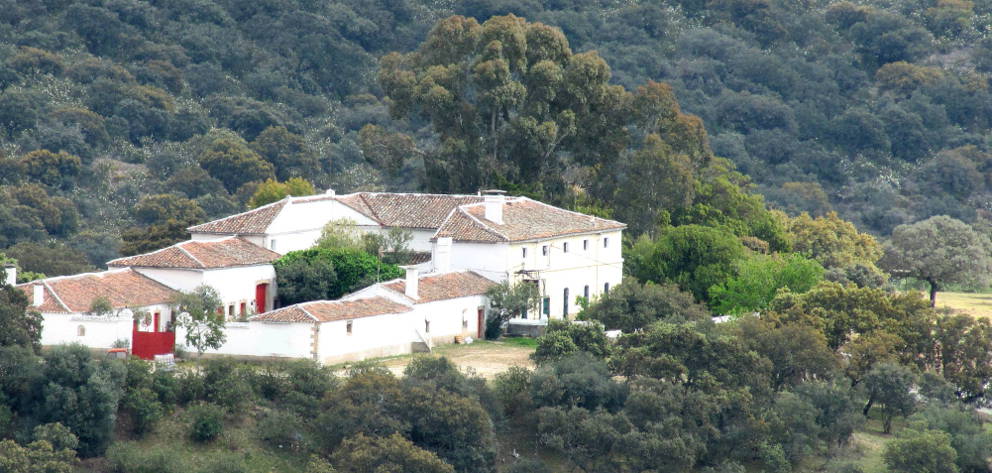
412	282
494	206
10	272
39	295
442	255
330	192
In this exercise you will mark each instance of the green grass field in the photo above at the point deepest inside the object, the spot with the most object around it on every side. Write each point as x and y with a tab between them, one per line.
976	304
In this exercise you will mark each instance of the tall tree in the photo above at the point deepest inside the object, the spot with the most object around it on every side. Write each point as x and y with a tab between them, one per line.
939	250
202	315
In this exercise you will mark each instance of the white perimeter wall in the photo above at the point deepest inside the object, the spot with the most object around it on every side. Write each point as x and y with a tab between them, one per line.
289	340
99	331
446	317
380	335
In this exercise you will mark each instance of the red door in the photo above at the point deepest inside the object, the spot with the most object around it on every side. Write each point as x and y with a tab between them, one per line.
155	328
482	323
261	291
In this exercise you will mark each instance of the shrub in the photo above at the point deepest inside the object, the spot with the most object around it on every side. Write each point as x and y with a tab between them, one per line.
512	389
282	429
207	422
58	435
127	457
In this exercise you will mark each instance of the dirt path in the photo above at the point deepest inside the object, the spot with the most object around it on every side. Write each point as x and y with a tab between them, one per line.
487	359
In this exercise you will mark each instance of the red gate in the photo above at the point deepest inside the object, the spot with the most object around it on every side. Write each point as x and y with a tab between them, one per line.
146	345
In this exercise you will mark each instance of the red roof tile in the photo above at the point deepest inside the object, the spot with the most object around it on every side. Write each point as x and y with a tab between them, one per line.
252	222
446	286
75	294
523	219
206	254
427	211
329	311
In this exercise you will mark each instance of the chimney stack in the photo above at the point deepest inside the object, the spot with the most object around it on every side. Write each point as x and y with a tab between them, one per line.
330	192
494	205
10	272
412	282
39	295
442	255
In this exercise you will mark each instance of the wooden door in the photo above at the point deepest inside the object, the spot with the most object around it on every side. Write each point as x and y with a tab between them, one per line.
261	296
482	323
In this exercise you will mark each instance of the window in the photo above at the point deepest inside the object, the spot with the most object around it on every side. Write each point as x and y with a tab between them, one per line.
564	247
544	250
427	326
244	308
546	306
81	331
565	305
585	245
606	288
523	252
272	244
349	326
606	242
585	292
230	310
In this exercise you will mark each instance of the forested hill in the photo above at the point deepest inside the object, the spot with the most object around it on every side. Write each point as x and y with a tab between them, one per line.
124	120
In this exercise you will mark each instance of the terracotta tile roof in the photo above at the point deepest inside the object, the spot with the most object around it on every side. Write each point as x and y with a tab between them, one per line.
330	311
523	219
75	294
427	211
252	222
446	286
206	254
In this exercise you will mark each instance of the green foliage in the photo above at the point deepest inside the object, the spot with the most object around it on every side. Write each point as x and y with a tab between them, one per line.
632	305
35	457
199	316
100	306
271	191
838	246
342	233
57	435
758	280
206	422
507	301
563	338
289	154
229	159
22	327
328	273
915	451
128	457
387	454
940	250
798	353
577	380
693	256
889	384
82	394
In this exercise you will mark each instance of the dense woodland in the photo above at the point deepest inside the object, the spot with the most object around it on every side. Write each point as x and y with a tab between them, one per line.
788	158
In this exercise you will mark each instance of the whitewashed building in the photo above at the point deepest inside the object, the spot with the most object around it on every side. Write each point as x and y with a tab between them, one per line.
566	254
65	303
390	318
240	271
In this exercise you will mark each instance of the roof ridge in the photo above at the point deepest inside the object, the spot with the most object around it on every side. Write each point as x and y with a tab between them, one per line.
309	314
143	254
187	253
58	299
484	226
375	215
282	201
571	211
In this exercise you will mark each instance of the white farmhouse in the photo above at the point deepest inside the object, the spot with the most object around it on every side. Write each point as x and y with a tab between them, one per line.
567	254
390	318
65	303
239	270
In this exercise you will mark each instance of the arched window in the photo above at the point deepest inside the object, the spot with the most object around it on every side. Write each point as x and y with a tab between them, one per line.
81	331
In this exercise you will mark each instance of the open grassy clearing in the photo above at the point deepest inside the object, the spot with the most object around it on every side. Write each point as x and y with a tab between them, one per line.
973	303
485	358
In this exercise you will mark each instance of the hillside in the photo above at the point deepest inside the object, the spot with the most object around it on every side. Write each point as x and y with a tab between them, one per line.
878	109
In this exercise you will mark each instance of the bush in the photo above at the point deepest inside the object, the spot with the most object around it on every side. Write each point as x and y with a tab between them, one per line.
58	435
226	384
284	430
512	389
226	463
127	457
207	422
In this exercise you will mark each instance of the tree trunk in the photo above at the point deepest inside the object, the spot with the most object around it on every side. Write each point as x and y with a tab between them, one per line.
867	408
933	292
887	425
